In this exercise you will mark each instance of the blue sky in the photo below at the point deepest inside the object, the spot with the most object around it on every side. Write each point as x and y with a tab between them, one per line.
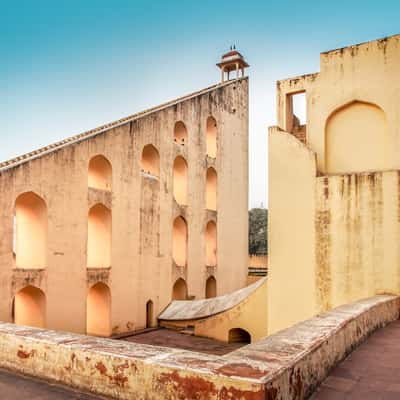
69	66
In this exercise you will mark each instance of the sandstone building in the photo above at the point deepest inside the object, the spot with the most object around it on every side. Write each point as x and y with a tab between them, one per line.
334	184
100	231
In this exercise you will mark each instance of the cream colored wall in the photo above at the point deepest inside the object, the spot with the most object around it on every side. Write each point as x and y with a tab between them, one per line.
359	237
291	237
346	223
143	210
250	315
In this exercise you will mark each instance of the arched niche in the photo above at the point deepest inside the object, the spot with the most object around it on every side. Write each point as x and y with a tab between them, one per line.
211	287
356	139
180	133
99	237
179	241
30	236
238	335
180	181
98	310
151	160
100	173
179	290
149	314
29	307
211	189
211	243
211	137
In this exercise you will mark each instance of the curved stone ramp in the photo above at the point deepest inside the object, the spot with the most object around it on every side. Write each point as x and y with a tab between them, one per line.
182	310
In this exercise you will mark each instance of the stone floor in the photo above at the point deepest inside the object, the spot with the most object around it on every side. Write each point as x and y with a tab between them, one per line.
17	387
177	340
371	372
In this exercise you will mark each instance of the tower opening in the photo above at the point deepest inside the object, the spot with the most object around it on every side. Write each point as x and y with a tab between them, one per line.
238	335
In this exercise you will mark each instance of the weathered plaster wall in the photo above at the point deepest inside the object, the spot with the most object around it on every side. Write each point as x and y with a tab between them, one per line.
350	201
285	366
142	208
358	233
291	233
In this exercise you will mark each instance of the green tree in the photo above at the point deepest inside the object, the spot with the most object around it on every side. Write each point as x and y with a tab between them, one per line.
258	222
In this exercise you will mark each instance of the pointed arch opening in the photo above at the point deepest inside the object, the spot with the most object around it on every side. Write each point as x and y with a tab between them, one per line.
149	314
238	335
151	160
211	189
180	180
211	287
211	137
98	310
100	173
30	236
99	237
179	241
179	290
211	243
180	133
356	139
29	307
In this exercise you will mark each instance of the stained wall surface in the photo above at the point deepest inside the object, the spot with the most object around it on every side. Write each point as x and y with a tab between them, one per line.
344	211
139	266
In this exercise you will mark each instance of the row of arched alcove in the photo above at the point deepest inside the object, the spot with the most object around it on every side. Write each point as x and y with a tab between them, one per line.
29	306
180	242
181	135
30	235
100	176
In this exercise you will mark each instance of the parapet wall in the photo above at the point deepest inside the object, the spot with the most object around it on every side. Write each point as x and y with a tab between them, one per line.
287	365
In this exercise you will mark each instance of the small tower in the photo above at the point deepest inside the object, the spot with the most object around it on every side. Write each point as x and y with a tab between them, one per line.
232	61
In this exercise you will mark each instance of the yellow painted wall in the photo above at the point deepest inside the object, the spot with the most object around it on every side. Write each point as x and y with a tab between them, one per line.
344	214
291	235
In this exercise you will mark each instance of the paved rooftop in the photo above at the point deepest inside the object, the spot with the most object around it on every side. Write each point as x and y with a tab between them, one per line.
175	339
18	387
372	371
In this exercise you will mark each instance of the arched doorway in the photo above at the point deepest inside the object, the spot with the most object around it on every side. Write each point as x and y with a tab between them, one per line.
149	314
98	310
29	307
100	173
30	237
211	287
238	335
179	290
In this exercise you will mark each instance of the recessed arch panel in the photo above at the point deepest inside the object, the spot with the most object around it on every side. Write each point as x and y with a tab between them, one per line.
98	310
211	189
100	173
211	287
151	160
180	133
30	237
211	243
179	290
29	307
356	139
179	241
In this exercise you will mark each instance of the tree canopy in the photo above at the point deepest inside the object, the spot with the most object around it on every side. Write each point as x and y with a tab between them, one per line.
258	222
